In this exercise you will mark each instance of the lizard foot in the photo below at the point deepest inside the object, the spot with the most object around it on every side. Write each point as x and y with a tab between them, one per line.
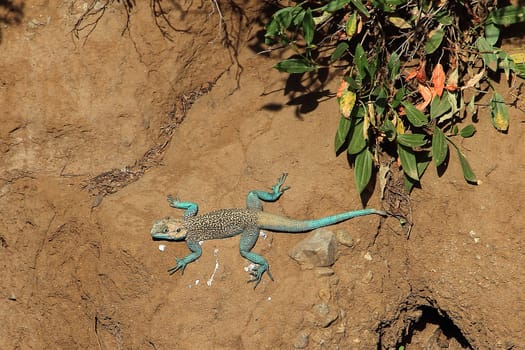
257	274
173	201
277	187
181	265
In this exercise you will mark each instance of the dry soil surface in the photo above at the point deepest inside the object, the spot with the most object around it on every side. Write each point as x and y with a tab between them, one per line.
91	142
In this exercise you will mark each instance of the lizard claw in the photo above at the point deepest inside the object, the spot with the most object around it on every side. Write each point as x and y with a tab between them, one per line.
277	187
257	274
173	201
181	265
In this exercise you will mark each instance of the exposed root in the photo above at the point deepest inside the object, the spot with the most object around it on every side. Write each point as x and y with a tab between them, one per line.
112	181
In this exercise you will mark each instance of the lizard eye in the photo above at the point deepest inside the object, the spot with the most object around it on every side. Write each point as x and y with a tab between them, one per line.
178	230
165	230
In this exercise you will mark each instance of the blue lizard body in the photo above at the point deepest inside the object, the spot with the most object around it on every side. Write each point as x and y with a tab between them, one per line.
224	223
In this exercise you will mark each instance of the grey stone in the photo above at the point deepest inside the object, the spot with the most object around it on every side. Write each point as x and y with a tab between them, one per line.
317	250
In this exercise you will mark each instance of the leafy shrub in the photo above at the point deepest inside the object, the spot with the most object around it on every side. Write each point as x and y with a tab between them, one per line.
412	71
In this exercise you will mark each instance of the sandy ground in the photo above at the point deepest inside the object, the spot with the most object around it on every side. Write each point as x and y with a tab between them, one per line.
91	143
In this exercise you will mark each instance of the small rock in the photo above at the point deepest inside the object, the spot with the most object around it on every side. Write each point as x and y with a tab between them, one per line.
325	294
368	277
344	238
324	271
325	316
318	249
301	341
368	256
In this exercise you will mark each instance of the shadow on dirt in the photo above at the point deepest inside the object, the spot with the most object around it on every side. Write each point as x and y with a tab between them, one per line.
11	12
305	90
435	329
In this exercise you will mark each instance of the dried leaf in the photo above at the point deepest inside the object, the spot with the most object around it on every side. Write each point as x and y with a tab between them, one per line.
421	74
472	82
426	93
438	79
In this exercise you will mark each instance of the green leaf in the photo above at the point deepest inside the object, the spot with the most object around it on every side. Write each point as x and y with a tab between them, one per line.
359	5
398	97
439	147
360	61
422	165
507	15
491	33
393	66
357	140
415	116
363	169
468	131
439	106
352	84
435	41
389	129
468	174
490	58
453	102
381	99
412	140
445	18
408	161
334	5
295	65
498	112
342	133
286	15
339	51
308	27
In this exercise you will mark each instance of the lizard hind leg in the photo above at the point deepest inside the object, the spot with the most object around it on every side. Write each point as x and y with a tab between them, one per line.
248	240
253	201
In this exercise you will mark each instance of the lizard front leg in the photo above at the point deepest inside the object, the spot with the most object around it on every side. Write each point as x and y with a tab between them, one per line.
248	239
196	252
253	201
191	208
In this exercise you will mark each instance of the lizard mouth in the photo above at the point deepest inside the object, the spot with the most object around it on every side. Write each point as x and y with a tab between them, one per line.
163	237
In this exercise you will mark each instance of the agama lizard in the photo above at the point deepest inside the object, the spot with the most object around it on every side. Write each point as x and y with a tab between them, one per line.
224	223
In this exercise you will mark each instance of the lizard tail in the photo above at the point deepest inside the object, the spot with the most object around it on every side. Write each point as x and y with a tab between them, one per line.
274	222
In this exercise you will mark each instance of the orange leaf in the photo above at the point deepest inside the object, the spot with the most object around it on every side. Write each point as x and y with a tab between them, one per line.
411	75
438	79
341	88
421	73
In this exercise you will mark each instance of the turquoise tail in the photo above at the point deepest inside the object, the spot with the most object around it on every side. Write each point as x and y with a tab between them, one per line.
274	222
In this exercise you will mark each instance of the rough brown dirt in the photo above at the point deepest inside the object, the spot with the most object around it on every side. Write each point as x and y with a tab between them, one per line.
80	270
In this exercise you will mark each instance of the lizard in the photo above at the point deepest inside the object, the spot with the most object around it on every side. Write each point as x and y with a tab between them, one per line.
247	223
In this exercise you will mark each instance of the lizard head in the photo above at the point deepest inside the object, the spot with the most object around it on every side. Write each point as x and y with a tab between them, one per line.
169	229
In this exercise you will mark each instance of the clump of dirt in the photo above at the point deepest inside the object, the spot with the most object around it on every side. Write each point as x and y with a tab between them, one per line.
98	130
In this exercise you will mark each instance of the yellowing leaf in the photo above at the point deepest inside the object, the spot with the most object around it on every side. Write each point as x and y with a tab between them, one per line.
500	122
499	114
518	58
399	22
400	128
351	25
346	103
